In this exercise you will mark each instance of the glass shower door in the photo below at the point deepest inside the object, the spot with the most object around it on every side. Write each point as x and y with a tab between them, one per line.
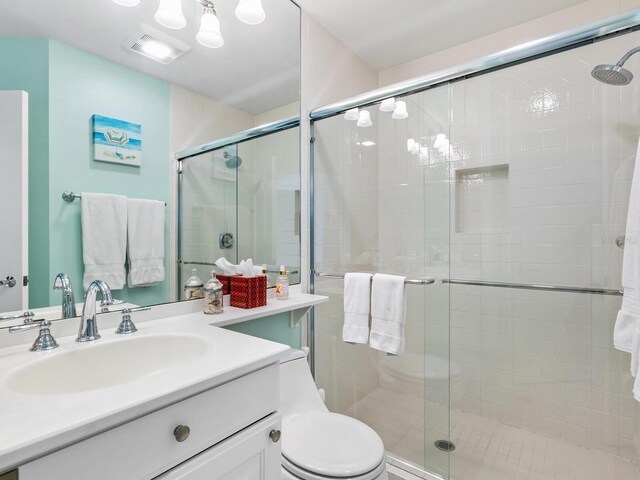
381	206
208	224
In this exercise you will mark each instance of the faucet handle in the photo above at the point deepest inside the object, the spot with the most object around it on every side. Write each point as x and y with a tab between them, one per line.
45	340
126	325
105	304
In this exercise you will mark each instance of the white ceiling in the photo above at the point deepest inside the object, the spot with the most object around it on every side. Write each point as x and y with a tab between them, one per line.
256	70
385	33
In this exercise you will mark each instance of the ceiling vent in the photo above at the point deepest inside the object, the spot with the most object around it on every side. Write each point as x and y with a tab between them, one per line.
154	44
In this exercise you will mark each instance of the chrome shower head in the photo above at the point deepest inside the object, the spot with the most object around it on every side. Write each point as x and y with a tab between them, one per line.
615	74
612	75
231	161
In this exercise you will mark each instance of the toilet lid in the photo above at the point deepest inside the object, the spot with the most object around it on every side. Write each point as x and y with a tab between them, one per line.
331	444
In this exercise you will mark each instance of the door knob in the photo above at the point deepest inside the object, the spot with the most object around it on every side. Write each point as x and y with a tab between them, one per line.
274	435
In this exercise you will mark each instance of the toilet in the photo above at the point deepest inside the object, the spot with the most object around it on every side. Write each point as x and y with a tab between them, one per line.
421	375
318	444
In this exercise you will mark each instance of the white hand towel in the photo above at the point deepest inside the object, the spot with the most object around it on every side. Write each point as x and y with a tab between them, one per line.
145	235
626	333
388	313
104	239
357	306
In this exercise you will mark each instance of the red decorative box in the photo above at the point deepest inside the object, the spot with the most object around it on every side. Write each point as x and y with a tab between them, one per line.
225	280
249	292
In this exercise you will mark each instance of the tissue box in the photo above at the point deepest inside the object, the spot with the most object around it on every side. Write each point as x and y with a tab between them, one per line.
248	292
225	280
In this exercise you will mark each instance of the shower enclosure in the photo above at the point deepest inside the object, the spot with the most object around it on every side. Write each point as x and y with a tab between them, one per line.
239	198
508	185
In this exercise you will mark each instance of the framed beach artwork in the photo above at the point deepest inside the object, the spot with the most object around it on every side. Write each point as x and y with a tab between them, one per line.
116	141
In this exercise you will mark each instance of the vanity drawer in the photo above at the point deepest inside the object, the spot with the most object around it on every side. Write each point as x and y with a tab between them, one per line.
147	446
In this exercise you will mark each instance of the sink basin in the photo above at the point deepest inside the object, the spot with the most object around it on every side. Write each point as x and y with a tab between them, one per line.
101	365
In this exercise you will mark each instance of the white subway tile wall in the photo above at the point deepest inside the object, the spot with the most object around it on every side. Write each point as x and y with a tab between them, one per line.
532	186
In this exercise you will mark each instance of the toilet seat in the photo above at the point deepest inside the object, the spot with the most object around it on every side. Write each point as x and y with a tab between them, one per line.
294	472
322	445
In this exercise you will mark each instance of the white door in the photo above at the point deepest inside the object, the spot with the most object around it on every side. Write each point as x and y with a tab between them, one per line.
14	157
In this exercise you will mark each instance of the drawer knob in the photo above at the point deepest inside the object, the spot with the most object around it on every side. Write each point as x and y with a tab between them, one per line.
181	432
274	435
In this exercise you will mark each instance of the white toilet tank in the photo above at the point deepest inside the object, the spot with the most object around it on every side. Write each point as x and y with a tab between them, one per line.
298	392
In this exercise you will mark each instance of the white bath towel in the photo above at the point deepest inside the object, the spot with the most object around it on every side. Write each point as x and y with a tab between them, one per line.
104	239
145	234
357	307
626	330
388	313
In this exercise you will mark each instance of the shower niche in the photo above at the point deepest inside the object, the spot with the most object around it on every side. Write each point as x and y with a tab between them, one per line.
482	199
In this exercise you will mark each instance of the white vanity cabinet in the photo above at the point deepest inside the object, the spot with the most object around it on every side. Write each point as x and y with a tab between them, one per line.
228	432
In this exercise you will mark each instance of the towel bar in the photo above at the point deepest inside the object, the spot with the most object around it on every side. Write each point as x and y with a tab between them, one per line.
409	281
519	286
71	196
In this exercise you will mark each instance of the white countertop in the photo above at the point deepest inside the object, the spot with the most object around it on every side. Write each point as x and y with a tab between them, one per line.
34	425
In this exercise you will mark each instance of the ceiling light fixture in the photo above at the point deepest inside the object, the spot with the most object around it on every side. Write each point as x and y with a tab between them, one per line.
368	143
388	105
351	114
209	34
169	14
250	12
400	111
364	119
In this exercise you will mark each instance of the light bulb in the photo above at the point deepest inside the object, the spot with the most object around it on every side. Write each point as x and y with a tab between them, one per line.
364	119
351	114
388	105
400	111
250	12
169	14
209	34
127	3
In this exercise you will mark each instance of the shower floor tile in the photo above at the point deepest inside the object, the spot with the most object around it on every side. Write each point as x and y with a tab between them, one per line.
485	449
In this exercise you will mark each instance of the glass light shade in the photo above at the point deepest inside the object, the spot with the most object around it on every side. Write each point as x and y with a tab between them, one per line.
209	34
351	114
440	142
169	14
411	143
127	3
364	119
400	111
388	105
250	12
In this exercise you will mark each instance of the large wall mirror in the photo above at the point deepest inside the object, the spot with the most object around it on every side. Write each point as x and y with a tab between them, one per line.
99	69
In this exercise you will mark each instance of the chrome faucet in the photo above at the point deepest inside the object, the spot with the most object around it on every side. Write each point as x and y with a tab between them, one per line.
88	331
63	283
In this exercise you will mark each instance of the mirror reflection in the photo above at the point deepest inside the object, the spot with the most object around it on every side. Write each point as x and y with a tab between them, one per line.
93	108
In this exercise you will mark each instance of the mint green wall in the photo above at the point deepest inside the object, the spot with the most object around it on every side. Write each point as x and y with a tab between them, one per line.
275	328
80	85
66	87
24	66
